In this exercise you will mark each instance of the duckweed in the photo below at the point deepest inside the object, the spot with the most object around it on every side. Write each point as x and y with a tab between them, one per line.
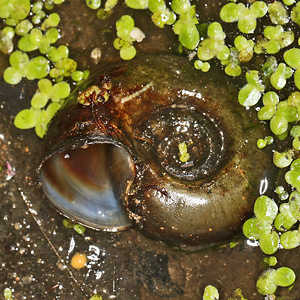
245	48
278	78
161	15
37	40
185	26
270	279
250	94
265	209
26	119
51	21
295	133
23	27
96	297
245	16
93	4
104	13
68	223
137	4
290	239
268	140
285	219
210	293
14	10
127	34
283	159
63	65
260	227
209	41
237	295
270	261
109	5
295	15
6	43
8	294
21	65
261	143
39	116
184	156
214	44
38	13
9	31
277	13
36	68
292	176
275	38
281	192
291	58
289	2
294	202
281	113
77	227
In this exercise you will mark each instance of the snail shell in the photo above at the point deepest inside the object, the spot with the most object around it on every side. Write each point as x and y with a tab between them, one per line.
114	159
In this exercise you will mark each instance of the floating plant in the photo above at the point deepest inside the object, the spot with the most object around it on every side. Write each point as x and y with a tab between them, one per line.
270	279
210	293
174	173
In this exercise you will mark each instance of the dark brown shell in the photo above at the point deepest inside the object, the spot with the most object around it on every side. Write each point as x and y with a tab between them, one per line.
154	104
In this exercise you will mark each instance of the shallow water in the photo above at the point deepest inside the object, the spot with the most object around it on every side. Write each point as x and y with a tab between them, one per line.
36	248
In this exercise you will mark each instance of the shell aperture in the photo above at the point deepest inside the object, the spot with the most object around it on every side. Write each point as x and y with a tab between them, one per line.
180	160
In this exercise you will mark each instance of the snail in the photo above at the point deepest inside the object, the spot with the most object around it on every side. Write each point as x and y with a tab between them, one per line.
156	144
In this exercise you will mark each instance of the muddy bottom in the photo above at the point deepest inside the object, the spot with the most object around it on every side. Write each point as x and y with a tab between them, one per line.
36	248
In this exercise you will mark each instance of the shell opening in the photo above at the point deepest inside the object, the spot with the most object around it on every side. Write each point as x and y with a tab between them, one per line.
85	184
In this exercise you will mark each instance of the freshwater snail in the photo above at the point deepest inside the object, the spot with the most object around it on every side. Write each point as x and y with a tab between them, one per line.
159	146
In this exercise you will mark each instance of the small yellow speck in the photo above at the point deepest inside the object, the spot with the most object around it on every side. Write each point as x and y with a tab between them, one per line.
79	260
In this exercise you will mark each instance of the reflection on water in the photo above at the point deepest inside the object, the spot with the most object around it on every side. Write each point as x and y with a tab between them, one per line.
35	246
